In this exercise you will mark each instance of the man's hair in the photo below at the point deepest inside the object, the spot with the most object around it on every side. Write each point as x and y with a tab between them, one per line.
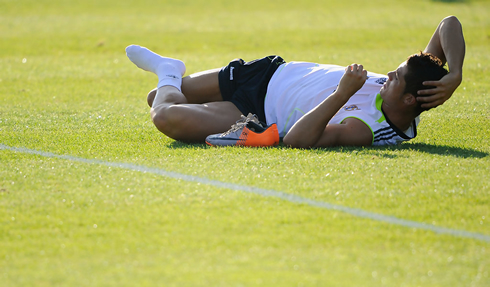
422	67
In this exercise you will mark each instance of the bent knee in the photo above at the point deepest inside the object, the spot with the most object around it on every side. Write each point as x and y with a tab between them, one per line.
151	96
168	119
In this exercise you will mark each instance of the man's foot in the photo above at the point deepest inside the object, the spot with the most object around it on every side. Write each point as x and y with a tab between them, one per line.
150	61
247	131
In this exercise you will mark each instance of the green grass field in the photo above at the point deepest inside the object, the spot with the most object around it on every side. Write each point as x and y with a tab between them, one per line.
67	88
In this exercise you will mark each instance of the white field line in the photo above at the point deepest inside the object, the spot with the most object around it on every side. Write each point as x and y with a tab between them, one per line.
263	192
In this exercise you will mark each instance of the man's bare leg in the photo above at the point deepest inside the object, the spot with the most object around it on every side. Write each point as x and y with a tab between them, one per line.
177	116
198	88
190	122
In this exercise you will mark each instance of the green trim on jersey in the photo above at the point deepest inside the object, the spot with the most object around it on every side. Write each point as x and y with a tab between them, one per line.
289	118
379	102
372	141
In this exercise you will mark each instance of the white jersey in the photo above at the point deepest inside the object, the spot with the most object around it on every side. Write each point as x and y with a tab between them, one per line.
298	87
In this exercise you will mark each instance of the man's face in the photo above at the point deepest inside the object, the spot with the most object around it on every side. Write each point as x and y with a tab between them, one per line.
393	89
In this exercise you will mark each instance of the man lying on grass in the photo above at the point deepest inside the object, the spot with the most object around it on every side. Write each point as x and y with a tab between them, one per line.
308	104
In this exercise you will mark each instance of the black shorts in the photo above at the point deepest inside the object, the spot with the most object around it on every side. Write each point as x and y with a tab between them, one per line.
245	83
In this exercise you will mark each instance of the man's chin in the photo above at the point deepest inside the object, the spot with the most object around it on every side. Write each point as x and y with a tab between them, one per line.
382	93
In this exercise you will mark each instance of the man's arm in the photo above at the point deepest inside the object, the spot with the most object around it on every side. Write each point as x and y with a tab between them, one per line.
311	130
447	44
351	132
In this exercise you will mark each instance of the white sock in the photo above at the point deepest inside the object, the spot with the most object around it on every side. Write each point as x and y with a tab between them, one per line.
168	70
169	75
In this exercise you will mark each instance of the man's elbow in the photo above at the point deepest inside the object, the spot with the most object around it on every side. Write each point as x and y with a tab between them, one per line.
291	143
452	20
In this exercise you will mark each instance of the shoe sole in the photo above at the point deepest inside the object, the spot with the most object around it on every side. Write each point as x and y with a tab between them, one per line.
249	138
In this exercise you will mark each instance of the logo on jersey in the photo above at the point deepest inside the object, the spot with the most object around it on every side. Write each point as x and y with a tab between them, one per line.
351	108
381	81
231	73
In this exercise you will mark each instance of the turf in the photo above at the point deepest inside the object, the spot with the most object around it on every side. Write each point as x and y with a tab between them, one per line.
66	87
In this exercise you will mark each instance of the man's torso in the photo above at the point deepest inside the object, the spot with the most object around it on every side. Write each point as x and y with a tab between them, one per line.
297	87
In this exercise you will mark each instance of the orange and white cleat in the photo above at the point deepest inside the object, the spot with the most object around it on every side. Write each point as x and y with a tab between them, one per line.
248	131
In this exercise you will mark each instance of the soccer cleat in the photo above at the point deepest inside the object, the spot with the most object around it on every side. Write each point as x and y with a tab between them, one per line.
248	131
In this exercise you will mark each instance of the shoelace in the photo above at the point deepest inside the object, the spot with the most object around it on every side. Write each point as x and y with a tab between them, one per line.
241	123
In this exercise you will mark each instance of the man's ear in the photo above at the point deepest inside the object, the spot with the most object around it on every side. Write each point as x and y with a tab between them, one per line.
409	99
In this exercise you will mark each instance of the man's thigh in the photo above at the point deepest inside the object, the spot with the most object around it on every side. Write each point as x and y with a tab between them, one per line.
194	122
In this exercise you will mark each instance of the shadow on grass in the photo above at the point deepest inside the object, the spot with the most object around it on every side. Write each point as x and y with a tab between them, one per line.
451	1
419	147
443	150
179	144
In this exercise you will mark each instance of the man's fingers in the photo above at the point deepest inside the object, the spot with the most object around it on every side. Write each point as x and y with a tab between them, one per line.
430	102
433	98
354	67
430	91
426	92
432	83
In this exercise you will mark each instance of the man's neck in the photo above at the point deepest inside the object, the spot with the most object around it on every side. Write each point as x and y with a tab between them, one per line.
401	119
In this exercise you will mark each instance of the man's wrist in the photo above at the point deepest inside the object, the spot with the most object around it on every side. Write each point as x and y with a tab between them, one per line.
456	72
457	76
342	94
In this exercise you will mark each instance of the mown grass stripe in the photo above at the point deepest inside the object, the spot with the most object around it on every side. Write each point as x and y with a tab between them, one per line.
263	192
